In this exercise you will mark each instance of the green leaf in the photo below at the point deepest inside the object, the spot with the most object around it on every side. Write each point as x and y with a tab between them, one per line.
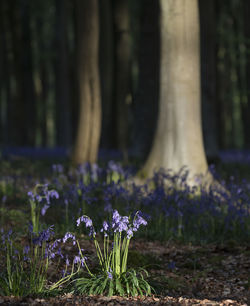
111	288
127	287
118	286
103	286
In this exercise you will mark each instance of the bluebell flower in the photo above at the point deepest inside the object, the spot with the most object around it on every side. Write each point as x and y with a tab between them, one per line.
26	249
110	275
31	195
79	260
38	198
68	236
59	252
67	261
44	209
116	218
92	232
88	222
53	194
138	221
129	233
43	236
55	244
105	226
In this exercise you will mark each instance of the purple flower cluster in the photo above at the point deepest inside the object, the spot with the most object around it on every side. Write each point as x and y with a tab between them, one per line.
43	195
79	260
88	222
122	224
138	221
5	238
68	236
119	223
110	274
44	236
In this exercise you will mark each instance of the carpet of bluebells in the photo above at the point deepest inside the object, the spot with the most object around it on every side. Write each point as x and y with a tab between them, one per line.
172	208
39	201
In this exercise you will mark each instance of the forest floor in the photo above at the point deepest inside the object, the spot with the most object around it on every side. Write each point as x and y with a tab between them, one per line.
182	275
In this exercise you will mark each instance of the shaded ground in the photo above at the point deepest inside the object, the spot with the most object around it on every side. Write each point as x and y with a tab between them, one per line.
181	275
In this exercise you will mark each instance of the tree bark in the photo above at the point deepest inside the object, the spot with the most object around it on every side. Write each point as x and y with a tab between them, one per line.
16	114
5	78
178	140
208	77
27	81
43	75
89	125
122	73
246	106
106	56
63	114
147	96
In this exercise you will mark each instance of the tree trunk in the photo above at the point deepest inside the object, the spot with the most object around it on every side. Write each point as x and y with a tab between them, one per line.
208	77
89	125
122	73
106	56
27	81
43	74
147	97
246	105
178	139
63	115
16	113
5	78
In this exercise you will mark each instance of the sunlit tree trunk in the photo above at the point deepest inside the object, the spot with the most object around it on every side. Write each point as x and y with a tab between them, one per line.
89	125
178	139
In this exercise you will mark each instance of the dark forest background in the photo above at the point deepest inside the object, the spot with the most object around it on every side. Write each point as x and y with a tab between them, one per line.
38	95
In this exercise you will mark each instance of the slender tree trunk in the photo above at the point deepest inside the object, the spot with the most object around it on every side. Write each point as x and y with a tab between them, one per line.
146	101
43	73
27	81
224	77
208	77
246	105
6	72
1	81
106	56
74	92
122	72
88	133
178	139
238	65
63	115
